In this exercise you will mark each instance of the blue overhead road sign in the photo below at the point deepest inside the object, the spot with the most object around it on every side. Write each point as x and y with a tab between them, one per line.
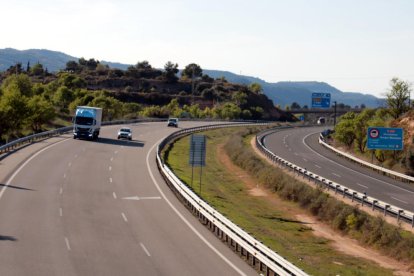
321	100
385	138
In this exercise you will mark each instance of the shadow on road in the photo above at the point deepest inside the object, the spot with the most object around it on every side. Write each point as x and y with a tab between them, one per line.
7	238
126	143
15	187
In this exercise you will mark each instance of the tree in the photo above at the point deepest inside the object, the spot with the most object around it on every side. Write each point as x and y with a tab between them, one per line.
63	97
344	130
21	82
397	97
361	128
40	111
192	70
14	109
37	70
72	66
240	98
170	72
295	105
256	88
143	65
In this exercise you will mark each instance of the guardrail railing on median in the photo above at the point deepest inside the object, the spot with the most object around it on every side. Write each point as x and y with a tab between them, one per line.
368	201
257	254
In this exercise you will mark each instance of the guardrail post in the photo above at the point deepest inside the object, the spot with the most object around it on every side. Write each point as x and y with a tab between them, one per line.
412	222
363	199
399	214
344	193
373	204
385	209
353	196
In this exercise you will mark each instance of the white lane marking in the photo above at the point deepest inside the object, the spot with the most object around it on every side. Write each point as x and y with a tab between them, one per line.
145	249
362	185
112	159
124	217
116	152
337	175
110	179
60	212
70	164
24	164
140	198
67	243
318	166
305	160
184	219
296	154
76	156
399	200
114	195
110	168
64	175
61	191
342	166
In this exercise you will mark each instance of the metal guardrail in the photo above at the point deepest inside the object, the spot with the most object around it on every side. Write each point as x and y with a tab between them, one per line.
367	164
257	254
371	202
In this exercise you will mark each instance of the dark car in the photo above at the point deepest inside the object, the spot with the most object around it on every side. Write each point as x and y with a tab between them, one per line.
173	122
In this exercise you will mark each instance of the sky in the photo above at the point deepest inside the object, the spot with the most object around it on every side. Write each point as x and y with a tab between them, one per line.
354	45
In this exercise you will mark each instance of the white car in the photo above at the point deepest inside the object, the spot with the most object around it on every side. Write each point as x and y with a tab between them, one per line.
125	132
173	122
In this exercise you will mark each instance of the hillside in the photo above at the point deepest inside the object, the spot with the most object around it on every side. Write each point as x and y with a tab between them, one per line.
281	93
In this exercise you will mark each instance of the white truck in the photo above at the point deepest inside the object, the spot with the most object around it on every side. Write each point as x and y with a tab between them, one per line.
87	122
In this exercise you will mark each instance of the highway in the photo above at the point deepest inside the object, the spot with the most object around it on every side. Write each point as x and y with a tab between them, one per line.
300	146
76	207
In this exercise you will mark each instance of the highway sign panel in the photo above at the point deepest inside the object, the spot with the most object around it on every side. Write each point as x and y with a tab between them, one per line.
197	151
321	100
385	138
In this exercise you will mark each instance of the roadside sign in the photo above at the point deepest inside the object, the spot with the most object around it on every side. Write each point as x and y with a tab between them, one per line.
197	151
385	138
321	100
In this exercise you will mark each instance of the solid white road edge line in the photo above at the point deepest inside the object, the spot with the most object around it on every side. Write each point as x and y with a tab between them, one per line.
25	163
184	219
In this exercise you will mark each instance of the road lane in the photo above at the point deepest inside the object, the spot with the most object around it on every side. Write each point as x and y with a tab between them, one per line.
68	217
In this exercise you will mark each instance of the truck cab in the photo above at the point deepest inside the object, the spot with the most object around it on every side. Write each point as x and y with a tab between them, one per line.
87	122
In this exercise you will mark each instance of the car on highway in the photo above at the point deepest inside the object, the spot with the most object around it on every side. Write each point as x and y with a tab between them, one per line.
172	122
125	133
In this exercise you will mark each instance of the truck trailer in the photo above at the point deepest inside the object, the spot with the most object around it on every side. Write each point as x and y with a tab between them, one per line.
87	122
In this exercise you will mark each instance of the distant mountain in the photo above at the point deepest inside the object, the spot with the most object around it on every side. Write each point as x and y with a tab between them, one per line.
281	93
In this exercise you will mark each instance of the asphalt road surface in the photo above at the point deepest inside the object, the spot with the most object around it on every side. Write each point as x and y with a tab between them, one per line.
300	146
77	207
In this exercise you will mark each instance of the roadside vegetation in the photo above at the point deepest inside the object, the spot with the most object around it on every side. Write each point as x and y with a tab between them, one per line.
33	99
291	238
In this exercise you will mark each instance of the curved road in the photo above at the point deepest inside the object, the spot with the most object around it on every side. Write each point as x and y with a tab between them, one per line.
300	146
75	207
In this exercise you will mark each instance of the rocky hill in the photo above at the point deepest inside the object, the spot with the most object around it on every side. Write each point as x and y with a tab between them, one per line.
281	93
